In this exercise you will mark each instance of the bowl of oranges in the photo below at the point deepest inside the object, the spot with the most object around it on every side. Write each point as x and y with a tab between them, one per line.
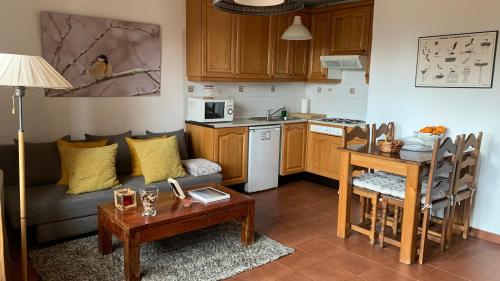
431	132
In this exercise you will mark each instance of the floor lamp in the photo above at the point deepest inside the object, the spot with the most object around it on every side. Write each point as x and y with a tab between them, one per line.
23	72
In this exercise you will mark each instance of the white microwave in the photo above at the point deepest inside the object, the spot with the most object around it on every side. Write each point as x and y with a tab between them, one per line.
210	110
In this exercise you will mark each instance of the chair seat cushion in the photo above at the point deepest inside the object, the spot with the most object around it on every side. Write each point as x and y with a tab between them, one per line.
395	185
378	181
50	203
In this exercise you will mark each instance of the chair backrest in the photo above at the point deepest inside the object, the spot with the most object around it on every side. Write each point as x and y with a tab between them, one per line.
468	162
361	136
386	130
443	165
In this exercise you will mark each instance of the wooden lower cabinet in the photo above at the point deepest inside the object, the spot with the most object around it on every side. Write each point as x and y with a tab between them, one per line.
293	148
322	156
231	152
226	146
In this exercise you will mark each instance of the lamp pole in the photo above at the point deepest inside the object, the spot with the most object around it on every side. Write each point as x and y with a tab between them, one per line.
20	91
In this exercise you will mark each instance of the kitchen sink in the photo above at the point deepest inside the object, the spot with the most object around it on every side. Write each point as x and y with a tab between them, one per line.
276	118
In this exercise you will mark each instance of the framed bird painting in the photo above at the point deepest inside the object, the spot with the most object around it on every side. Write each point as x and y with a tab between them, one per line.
102	57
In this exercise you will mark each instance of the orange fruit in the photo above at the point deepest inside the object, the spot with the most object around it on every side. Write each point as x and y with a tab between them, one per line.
441	129
427	130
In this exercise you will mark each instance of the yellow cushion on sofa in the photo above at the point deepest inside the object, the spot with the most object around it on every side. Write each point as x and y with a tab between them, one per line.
79	144
160	159
90	169
134	159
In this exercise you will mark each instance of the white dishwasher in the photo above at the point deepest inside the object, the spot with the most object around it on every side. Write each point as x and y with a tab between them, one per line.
263	158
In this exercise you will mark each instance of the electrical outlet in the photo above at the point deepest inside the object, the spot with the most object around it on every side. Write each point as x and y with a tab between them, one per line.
191	89
352	91
318	90
240	89
273	89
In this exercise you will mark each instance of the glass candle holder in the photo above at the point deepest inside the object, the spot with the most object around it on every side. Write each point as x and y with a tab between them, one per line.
148	198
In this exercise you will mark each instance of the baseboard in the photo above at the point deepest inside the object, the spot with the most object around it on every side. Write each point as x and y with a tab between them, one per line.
485	235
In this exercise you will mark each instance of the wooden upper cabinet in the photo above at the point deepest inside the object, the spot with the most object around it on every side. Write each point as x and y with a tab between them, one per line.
219	37
227	47
320	29
289	58
300	58
253	48
293	148
351	31
281	52
210	42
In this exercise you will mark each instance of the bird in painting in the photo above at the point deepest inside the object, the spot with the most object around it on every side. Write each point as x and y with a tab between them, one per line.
100	67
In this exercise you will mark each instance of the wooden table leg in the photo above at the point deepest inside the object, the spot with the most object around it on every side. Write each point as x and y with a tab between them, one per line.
247	225
131	248
345	191
411	212
105	237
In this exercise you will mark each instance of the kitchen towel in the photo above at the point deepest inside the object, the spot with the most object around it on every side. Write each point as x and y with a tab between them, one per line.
304	106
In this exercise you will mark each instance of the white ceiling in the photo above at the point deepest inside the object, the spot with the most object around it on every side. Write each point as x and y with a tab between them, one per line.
313	3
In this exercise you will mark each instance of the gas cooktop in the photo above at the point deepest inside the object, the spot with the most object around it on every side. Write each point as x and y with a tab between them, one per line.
342	121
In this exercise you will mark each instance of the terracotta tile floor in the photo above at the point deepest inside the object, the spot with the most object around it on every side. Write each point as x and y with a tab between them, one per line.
303	215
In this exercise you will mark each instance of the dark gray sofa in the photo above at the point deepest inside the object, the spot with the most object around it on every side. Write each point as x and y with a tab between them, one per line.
54	214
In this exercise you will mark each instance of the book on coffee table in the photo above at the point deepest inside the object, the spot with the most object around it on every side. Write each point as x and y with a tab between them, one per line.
208	194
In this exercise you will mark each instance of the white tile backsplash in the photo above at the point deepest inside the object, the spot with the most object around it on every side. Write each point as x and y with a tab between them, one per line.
256	98
336	100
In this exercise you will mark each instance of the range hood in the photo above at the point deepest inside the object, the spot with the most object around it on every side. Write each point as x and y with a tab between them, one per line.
335	64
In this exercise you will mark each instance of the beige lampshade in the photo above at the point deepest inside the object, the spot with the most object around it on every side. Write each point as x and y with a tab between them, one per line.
259	3
30	72
297	31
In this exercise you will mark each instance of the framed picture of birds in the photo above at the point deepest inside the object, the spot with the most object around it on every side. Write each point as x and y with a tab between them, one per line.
102	57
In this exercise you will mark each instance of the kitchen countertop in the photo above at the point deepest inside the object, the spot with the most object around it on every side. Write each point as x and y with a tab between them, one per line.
317	121
248	122
244	122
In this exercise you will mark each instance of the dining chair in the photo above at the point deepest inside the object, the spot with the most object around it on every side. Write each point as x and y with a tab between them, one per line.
465	186
357	138
387	131
435	193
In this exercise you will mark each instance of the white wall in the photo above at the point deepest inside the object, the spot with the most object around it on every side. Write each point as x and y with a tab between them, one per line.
49	118
393	96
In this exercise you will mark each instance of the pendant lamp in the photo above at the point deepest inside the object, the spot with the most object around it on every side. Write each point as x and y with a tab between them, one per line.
258	7
297	31
259	3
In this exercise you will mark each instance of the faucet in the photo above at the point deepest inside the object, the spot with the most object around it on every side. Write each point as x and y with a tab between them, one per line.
270	115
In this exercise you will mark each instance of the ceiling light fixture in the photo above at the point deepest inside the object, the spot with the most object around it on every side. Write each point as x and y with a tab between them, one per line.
251	6
297	31
259	3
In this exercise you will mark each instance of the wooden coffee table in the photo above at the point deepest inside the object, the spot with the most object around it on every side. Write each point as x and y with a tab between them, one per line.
172	218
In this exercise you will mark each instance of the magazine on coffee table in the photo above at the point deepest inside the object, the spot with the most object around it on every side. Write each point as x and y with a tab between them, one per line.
208	194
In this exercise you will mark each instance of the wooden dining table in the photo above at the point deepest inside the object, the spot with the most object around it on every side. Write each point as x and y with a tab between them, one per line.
409	164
